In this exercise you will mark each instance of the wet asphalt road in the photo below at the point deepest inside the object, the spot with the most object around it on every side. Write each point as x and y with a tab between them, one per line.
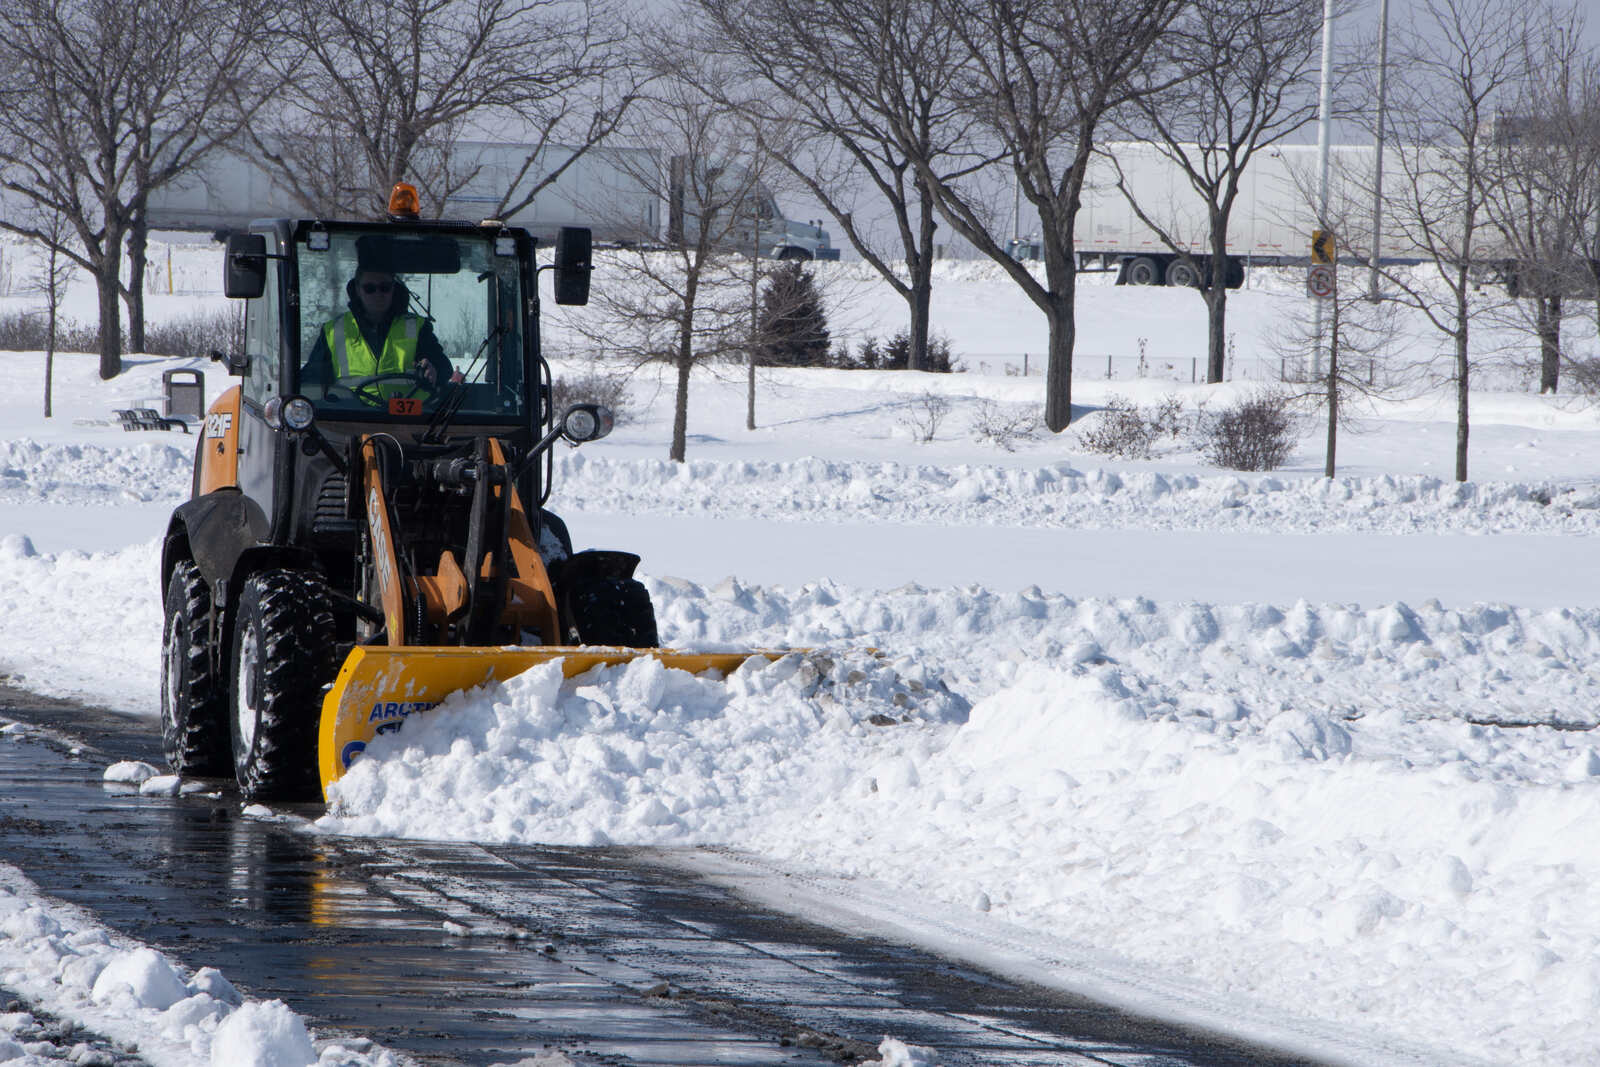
476	955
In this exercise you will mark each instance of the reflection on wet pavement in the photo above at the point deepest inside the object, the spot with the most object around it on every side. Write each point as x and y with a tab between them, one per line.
459	953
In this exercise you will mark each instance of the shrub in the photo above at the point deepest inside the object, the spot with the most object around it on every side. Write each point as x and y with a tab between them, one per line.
793	325
895	354
592	387
197	335
923	415
1005	424
1255	434
1121	429
28	331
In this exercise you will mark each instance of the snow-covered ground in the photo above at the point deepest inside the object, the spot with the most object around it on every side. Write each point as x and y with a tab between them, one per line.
1271	752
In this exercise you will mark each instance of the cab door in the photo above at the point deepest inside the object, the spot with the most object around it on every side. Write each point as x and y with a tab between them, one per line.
263	344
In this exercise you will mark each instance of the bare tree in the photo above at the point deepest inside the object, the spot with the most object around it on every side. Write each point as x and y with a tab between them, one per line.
1544	200
869	86
684	302
381	94
1365	353
1042	77
102	101
1461	62
51	283
1252	82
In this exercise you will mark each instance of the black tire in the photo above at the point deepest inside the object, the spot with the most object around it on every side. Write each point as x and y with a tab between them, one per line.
1182	275
194	703
1143	270
282	658
613	611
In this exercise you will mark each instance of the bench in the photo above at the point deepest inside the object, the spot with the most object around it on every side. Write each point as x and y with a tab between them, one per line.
148	419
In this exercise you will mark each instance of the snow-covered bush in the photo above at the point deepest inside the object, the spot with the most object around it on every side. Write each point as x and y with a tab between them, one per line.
1127	431
1255	434
923	415
1004	424
592	387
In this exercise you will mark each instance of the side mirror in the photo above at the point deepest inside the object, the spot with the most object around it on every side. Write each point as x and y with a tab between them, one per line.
574	263
586	422
237	363
244	270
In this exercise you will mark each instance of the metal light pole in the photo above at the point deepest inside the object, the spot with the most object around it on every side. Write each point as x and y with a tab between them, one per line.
1324	125
1377	175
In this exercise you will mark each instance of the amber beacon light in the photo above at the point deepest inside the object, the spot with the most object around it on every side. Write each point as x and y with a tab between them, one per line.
403	201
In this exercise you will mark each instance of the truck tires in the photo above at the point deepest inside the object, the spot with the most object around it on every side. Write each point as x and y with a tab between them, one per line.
194	705
1182	275
613	611
1142	270
282	659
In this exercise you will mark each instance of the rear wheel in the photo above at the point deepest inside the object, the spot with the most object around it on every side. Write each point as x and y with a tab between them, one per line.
1142	270
283	657
194	705
613	611
1182	275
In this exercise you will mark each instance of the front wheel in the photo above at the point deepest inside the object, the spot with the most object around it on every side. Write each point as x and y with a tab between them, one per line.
282	660
194	704
613	611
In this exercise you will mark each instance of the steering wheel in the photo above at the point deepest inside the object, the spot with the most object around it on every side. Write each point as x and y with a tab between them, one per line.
366	389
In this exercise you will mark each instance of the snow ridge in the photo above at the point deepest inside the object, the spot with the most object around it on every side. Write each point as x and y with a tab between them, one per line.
1060	495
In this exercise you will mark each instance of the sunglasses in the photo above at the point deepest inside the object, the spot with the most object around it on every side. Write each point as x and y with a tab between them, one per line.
376	287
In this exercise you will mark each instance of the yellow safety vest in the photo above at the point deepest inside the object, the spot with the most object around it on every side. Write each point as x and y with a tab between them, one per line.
352	356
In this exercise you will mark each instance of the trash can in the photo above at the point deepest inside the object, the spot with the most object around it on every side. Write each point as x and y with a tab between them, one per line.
185	392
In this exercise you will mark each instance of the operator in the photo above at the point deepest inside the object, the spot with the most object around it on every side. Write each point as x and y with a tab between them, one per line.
378	335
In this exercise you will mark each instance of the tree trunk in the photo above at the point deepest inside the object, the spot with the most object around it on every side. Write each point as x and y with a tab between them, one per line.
1461	404
1547	322
108	283
921	299
921	277
138	245
1063	283
53	294
680	403
1216	325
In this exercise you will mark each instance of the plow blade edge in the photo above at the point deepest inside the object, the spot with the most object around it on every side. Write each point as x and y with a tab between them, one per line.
379	687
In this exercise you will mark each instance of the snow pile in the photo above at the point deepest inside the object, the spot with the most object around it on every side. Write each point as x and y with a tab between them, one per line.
1129	774
636	753
93	475
76	624
67	964
1061	495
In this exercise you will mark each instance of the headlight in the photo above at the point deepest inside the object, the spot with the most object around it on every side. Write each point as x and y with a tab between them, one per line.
299	413
273	413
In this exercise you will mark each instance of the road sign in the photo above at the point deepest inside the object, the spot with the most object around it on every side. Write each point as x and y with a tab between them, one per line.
1320	280
1323	246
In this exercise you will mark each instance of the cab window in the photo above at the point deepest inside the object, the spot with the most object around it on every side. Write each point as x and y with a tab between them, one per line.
261	341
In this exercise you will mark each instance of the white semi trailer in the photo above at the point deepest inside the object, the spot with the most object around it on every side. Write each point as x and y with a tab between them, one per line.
615	191
1270	225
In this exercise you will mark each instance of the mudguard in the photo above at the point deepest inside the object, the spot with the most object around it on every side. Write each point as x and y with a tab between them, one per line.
219	528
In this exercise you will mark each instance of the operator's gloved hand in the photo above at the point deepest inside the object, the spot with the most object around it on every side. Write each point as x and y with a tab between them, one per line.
430	372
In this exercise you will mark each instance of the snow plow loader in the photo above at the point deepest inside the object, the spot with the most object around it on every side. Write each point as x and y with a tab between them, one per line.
366	531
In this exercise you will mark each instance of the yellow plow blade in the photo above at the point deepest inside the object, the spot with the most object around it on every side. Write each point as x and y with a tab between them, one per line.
380	686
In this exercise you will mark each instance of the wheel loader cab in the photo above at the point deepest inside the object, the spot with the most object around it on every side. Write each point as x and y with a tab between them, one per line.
456	310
